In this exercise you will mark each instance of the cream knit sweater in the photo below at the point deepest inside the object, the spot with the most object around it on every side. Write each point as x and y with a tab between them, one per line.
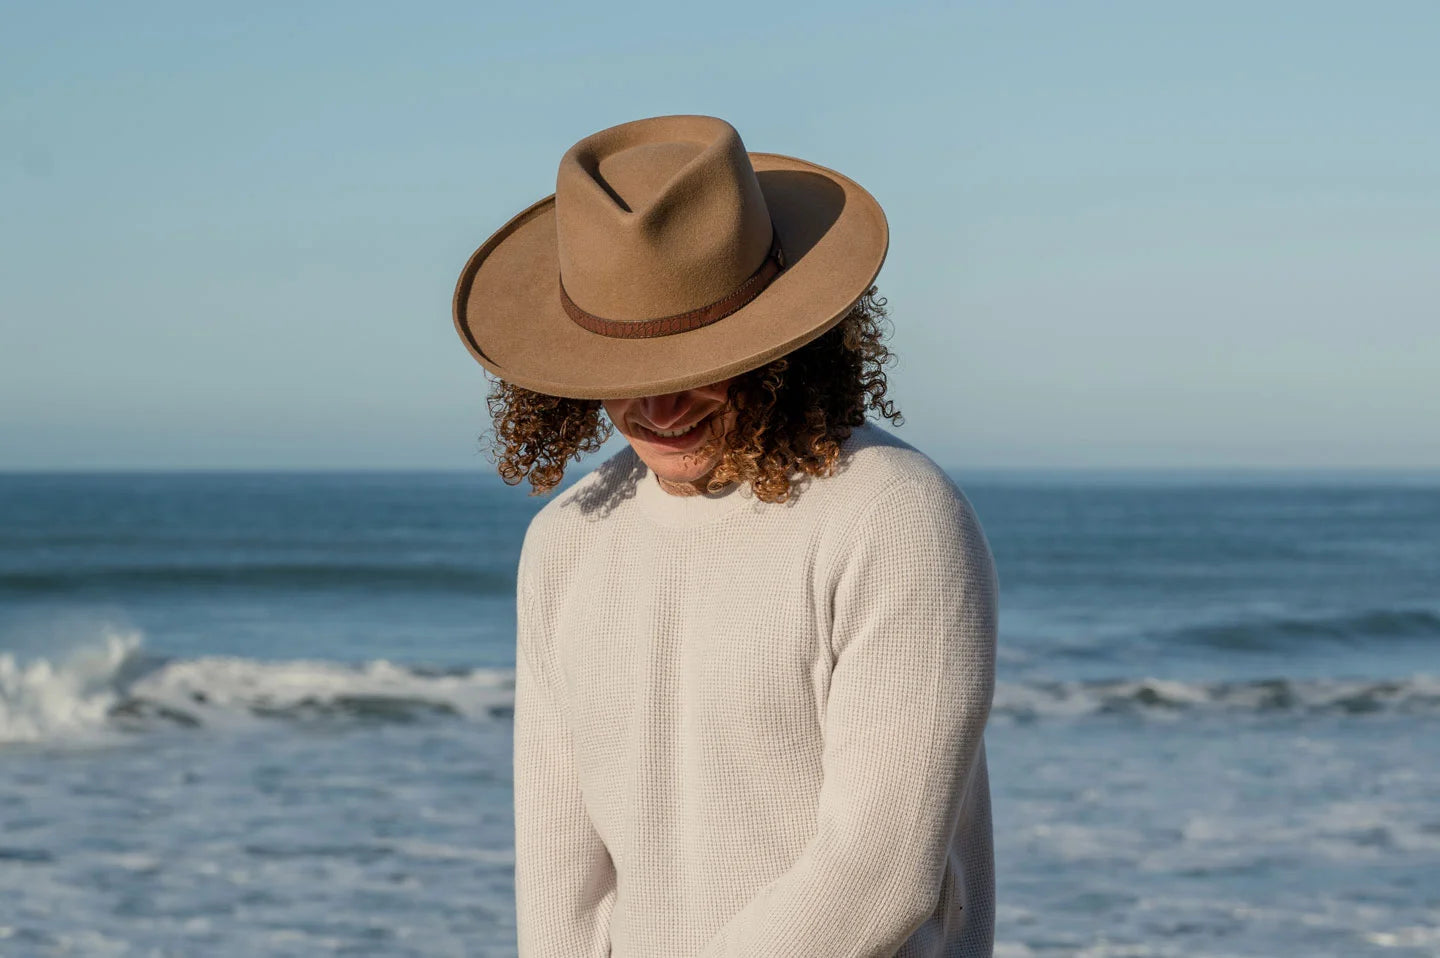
747	728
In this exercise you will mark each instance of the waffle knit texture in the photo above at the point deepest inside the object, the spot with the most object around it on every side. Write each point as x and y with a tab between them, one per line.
756	729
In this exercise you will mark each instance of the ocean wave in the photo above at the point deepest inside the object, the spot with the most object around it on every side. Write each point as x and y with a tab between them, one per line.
42	700
112	687
1163	698
1280	633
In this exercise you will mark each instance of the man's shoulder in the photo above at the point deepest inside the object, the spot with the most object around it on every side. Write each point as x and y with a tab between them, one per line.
888	477
897	506
596	494
875	462
566	523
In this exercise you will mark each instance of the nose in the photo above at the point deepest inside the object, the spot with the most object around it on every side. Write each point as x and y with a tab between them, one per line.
664	411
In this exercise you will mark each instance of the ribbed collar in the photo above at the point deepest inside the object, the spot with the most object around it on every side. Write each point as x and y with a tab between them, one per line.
672	510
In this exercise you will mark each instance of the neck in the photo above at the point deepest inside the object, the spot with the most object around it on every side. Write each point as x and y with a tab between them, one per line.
694	488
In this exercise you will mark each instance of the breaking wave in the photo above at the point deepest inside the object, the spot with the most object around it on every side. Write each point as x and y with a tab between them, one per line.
1152	697
113	687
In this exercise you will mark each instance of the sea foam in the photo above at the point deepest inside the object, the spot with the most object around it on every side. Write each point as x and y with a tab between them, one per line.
42	699
112	686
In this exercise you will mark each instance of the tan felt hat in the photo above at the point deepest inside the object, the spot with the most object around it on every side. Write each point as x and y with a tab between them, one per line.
667	258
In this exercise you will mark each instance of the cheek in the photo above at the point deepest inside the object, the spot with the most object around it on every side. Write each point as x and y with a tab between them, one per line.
614	409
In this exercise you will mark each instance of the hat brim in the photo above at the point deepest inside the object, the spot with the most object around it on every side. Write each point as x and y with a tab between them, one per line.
507	301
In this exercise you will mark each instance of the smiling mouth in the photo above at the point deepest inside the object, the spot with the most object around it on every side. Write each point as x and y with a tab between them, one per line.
673	433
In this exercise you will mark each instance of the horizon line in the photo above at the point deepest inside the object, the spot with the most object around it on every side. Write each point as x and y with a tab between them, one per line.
1012	472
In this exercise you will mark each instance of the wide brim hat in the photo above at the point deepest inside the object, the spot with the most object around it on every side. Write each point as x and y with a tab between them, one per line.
668	257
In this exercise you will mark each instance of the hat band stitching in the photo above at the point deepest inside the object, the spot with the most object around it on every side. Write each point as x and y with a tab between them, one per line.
769	268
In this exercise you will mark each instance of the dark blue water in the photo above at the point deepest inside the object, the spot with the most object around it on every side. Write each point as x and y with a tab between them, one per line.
1187	581
268	713
342	566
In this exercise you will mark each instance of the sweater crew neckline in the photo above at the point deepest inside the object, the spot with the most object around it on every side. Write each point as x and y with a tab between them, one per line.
672	510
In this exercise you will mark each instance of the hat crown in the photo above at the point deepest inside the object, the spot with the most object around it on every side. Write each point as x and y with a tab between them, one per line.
658	217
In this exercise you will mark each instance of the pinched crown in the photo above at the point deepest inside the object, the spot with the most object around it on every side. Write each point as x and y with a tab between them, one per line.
658	217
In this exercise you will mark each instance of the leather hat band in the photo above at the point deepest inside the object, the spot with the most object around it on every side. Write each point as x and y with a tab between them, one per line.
773	263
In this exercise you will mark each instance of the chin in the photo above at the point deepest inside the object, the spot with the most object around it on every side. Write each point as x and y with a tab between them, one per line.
672	467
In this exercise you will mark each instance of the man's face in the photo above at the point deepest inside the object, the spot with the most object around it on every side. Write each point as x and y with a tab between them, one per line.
691	417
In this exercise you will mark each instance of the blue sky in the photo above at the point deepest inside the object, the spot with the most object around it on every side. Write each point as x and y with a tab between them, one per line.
1123	234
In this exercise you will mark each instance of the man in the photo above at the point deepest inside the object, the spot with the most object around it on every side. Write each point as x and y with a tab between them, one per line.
756	648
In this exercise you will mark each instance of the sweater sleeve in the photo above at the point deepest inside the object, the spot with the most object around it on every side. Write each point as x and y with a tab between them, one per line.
913	638
564	878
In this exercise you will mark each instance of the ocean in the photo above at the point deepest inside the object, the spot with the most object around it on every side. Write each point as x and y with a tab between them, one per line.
270	714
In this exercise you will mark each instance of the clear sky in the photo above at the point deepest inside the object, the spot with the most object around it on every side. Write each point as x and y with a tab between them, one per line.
1123	234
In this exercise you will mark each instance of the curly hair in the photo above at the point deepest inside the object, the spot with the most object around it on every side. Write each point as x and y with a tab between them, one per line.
792	414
